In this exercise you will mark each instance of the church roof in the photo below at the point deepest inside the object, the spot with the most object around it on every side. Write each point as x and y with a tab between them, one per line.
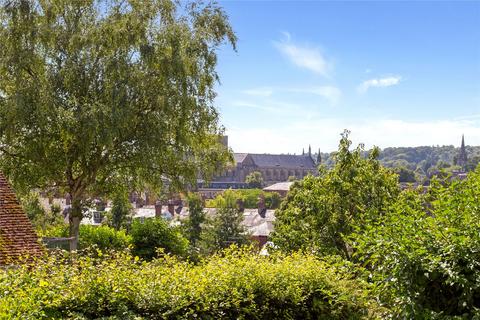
239	157
17	237
283	161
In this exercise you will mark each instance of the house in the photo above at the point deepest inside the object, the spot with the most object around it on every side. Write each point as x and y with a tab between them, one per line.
18	239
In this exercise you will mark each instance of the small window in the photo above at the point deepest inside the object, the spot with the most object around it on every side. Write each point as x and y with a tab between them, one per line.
97	217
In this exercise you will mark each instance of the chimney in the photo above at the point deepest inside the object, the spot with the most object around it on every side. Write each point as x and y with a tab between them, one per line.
262	209
240	205
179	208
171	208
158	209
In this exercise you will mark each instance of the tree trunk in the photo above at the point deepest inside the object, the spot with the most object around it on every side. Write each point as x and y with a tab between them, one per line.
74	220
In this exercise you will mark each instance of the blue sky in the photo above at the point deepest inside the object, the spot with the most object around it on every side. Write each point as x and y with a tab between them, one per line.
401	73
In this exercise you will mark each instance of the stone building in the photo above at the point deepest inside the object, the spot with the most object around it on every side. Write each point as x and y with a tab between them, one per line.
273	167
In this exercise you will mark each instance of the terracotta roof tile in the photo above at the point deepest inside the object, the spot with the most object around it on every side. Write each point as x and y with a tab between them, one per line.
17	236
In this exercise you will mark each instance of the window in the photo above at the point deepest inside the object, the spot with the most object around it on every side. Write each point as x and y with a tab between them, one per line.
97	217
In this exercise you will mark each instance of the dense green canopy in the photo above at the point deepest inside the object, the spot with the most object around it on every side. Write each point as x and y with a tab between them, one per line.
94	94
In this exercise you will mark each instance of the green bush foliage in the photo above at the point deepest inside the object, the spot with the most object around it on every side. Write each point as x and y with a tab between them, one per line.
320	211
154	233
225	227
40	218
234	285
249	197
424	254
102	237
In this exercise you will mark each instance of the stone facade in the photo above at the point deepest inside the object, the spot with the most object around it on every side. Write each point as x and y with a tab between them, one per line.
273	167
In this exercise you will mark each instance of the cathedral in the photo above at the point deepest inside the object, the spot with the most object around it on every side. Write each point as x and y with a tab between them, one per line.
273	167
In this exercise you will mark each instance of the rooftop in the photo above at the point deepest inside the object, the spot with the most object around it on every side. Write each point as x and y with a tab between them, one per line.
17	236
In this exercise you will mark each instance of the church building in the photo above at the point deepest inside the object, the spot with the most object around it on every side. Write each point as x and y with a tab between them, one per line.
273	167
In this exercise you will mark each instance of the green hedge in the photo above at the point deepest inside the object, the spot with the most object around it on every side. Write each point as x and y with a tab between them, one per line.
249	196
103	237
235	285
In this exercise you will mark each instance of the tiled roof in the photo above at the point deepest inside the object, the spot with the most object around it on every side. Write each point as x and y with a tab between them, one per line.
283	161
17	237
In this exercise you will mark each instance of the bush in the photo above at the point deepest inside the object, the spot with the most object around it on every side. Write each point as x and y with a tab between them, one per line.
154	233
103	237
319	212
249	197
424	254
234	285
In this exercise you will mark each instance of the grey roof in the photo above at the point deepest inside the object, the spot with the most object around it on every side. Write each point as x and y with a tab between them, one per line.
283	160
239	157
280	186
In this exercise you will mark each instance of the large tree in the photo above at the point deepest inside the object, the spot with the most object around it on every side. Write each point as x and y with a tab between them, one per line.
94	94
319	212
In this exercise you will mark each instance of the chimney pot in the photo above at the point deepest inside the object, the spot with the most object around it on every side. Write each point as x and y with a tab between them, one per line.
158	209
171	208
240	205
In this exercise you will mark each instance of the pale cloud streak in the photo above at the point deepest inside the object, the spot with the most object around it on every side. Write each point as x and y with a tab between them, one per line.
306	57
379	83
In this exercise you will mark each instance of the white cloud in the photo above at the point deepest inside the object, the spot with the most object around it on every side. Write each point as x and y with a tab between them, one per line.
325	133
304	56
379	82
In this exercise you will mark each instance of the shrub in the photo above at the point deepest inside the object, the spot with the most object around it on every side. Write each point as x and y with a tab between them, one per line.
103	237
249	197
319	212
154	233
424	254
234	285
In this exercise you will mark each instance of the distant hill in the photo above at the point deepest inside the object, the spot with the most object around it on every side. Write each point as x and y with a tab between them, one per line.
421	162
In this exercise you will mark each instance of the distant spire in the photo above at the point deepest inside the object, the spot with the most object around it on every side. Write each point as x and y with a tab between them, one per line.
310	150
319	157
462	156
303	151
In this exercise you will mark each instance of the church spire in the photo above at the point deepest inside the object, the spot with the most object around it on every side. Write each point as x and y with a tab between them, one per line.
462	156
303	151
309	150
319	157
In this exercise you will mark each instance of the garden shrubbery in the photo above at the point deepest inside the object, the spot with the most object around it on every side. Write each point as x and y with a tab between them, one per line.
234	285
424	254
102	237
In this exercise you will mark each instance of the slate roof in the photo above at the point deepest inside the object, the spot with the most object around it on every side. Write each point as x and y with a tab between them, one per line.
17	237
239	157
283	161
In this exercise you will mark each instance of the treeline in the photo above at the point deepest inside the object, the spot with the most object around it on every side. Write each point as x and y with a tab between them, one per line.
419	164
